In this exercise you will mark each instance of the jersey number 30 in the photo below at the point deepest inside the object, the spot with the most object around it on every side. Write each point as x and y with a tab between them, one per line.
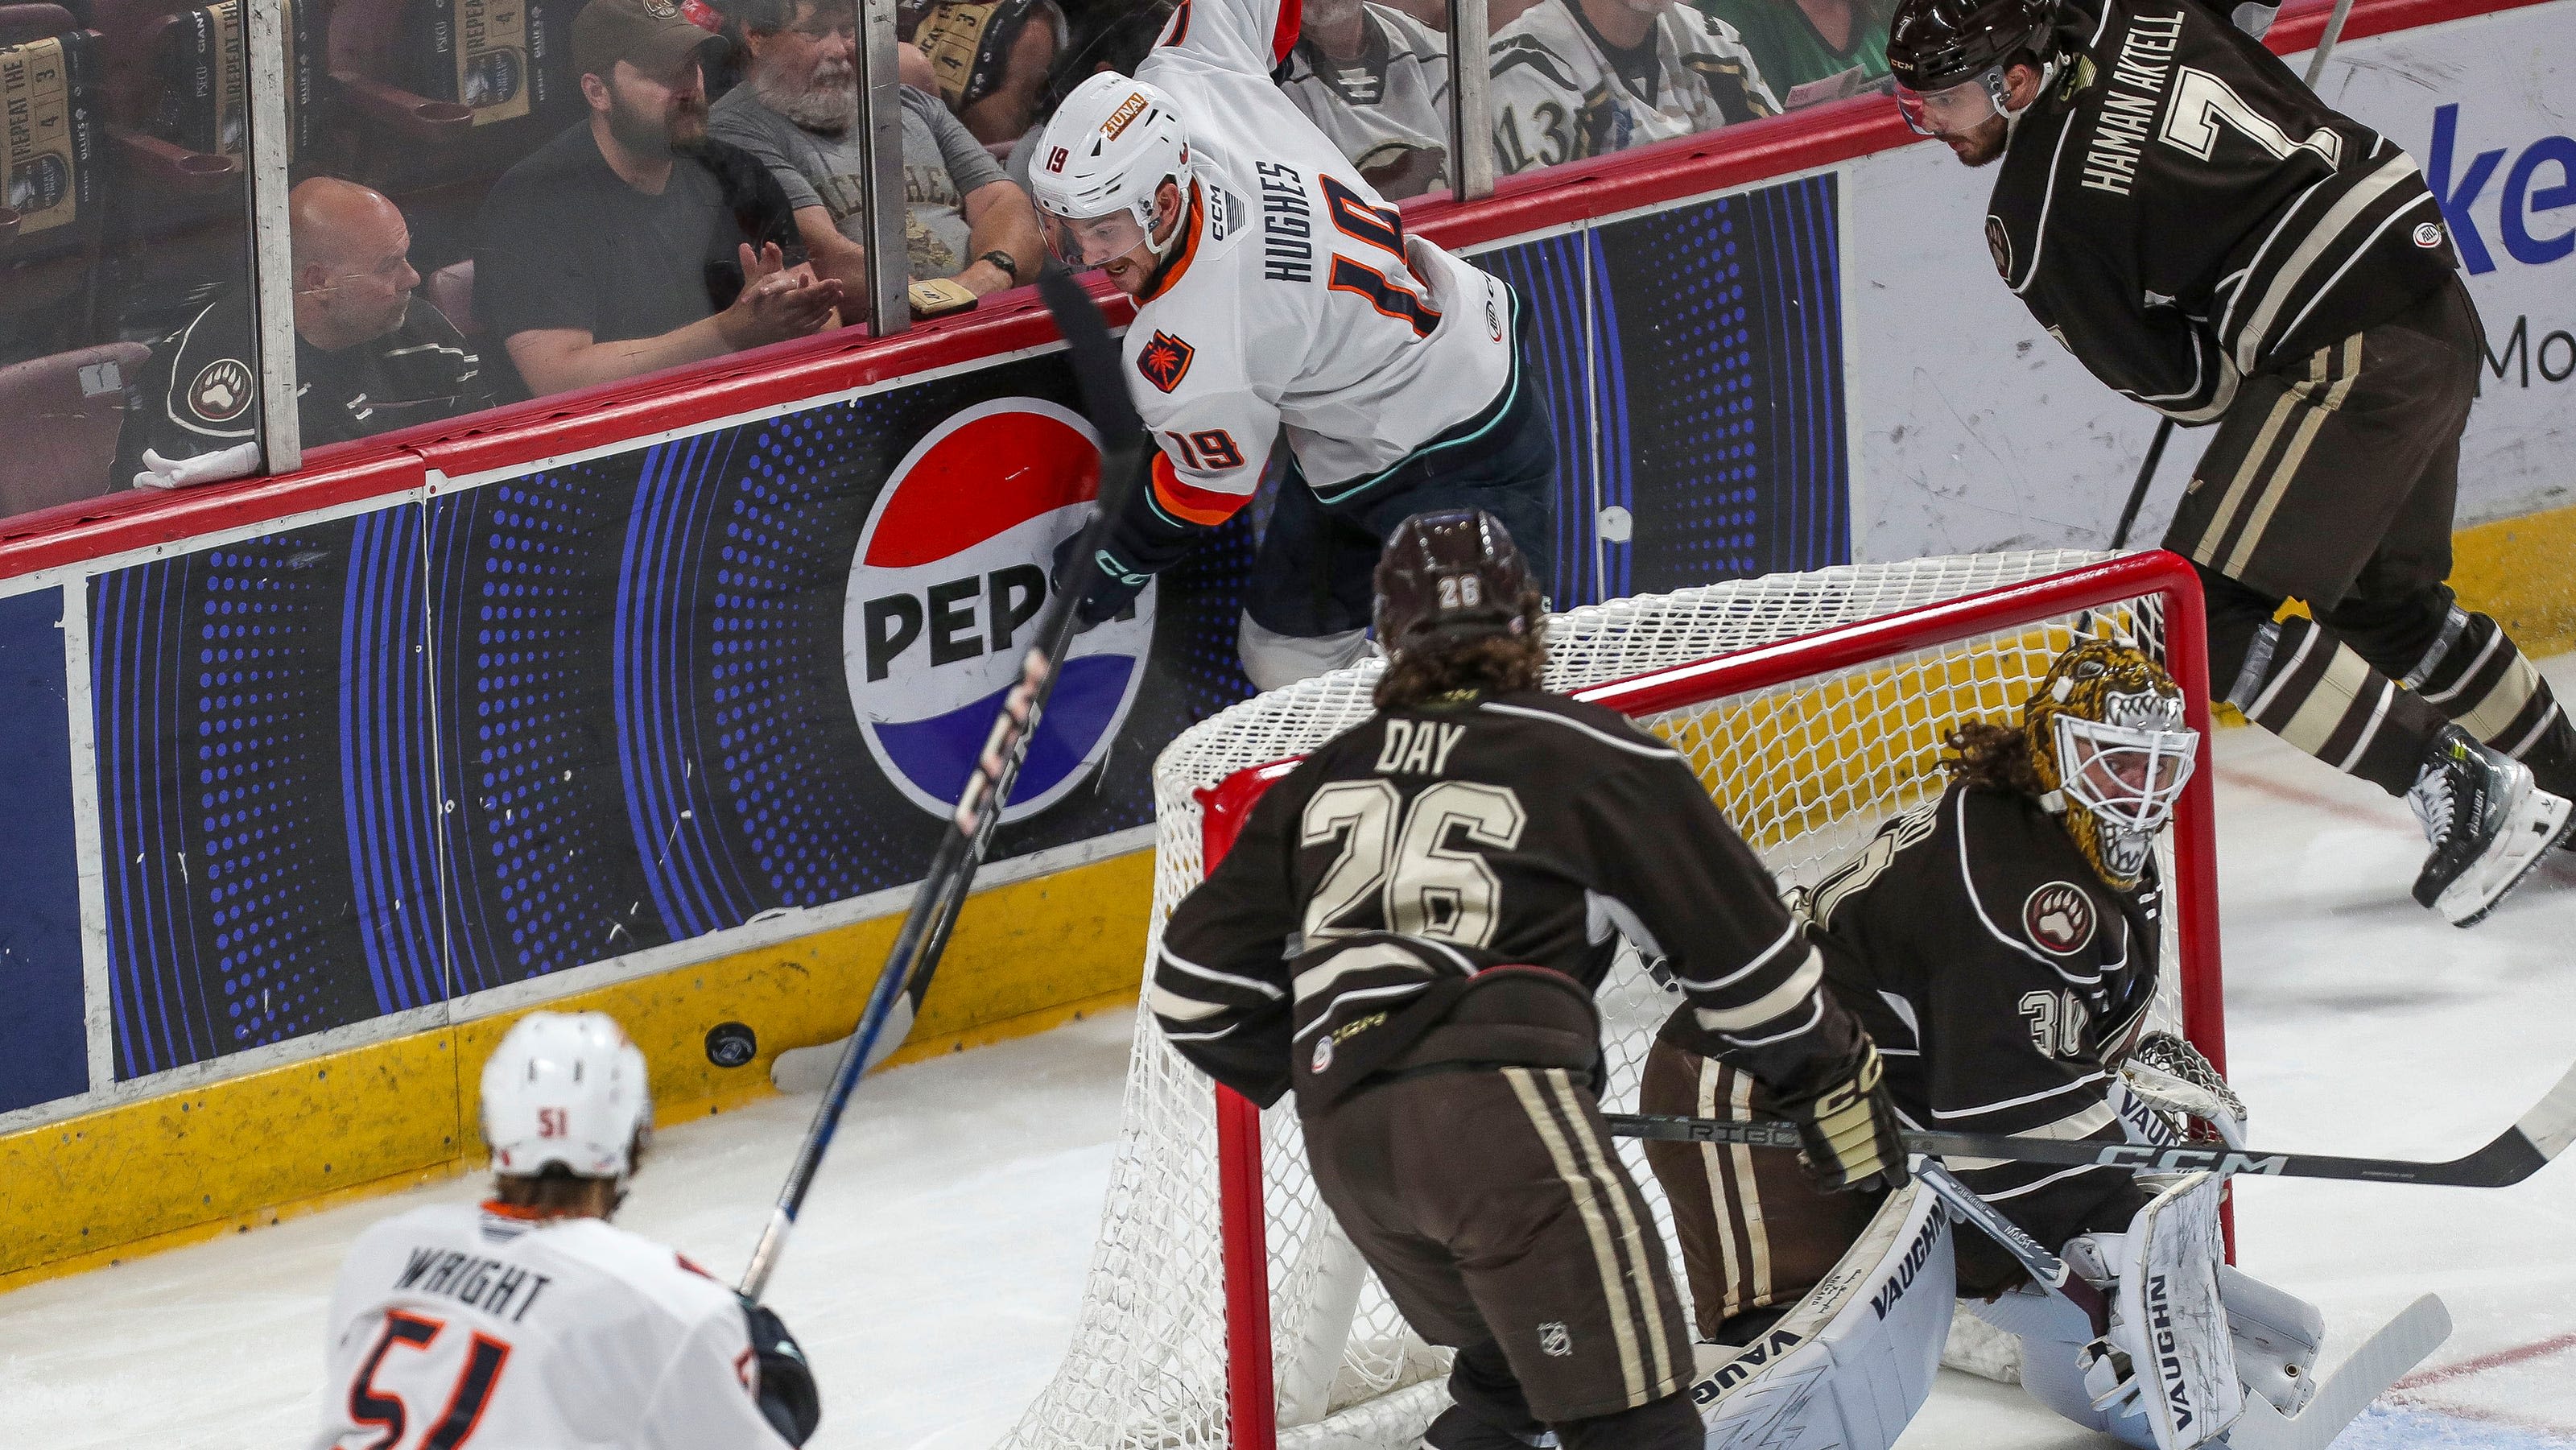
370	1405
1424	885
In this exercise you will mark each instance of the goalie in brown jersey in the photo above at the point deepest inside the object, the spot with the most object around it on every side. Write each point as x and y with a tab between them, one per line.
1451	879
2000	944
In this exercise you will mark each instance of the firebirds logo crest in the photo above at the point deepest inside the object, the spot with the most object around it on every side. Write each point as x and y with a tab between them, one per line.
1165	360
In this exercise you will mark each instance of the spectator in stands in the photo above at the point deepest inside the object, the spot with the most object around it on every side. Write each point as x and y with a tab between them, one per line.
632	241
369	356
1580	78
1811	50
1376	81
797	112
992	59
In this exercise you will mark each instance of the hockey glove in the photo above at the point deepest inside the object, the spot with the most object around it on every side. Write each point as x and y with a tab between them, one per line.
1846	1127
788	1396
1108	586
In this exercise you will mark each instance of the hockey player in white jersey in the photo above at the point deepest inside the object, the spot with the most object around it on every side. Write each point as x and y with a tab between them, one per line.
1278	295
1375	81
528	1321
1580	78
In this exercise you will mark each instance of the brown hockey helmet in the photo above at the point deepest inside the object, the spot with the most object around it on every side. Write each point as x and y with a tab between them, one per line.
1447	576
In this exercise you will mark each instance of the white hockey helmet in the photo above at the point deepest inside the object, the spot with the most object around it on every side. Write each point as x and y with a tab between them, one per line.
1104	155
566	1088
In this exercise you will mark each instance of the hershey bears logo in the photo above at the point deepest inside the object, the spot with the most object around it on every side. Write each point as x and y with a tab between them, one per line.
222	391
2058	918
1165	360
1999	243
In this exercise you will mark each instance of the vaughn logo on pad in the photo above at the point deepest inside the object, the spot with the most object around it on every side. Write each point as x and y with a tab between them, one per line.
944	598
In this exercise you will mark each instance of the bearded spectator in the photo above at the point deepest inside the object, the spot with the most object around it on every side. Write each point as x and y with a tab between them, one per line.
634	242
797	113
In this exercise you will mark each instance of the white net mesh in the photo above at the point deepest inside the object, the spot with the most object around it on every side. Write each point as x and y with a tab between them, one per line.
1806	771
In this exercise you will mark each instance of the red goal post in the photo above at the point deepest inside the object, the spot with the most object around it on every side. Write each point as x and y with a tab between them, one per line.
1251	1388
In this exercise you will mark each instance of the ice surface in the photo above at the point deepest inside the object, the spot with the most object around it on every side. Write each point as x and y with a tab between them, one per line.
936	1273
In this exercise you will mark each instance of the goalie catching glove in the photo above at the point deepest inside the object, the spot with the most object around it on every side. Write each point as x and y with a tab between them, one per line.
1847	1129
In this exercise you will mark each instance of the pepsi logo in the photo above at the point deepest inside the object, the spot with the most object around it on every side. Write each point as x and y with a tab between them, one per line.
944	598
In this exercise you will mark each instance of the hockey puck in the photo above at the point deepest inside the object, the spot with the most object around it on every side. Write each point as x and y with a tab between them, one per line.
731	1044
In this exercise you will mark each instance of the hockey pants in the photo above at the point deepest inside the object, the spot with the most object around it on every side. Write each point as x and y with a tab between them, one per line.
2333	480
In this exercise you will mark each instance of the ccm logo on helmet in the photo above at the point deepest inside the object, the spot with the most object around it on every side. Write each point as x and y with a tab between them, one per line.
1125	116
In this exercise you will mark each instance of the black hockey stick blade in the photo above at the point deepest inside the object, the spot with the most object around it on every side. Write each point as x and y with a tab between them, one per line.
911	962
2513	1155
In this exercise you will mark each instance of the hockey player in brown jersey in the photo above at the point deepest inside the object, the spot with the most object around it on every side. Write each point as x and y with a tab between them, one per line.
2209	238
1451	878
2000	945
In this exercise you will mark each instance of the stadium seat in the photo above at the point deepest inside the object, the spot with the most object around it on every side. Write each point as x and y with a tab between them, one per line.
450	289
64	414
49	251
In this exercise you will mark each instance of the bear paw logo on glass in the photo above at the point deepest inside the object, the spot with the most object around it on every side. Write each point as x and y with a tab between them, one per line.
943	606
2059	918
222	390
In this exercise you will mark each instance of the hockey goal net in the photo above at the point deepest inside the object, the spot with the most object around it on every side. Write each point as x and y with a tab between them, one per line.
1223	1308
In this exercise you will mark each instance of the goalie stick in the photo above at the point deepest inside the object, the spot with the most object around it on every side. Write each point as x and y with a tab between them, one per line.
914	957
2364	1376
2512	1156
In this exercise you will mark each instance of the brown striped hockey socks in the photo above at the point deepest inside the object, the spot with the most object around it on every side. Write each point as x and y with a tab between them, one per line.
2473	673
2310	688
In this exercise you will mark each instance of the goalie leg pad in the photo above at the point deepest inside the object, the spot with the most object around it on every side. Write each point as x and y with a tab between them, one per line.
1850	1363
2168	1319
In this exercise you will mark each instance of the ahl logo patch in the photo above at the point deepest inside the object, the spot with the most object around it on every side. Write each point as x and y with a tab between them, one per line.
2058	918
1165	360
1323	1059
1999	243
2428	235
1555	1340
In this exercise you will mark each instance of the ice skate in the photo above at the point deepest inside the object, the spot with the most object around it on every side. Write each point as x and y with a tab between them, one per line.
2488	824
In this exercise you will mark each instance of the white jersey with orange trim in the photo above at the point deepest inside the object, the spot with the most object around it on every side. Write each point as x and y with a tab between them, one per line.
1557	96
462	1326
1298	302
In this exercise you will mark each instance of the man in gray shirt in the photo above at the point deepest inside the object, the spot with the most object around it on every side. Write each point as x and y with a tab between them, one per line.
797	112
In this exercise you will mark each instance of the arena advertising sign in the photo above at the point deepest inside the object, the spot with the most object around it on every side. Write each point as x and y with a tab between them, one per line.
372	764
944	597
610	709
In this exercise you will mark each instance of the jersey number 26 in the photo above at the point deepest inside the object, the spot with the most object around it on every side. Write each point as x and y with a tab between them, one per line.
1403	858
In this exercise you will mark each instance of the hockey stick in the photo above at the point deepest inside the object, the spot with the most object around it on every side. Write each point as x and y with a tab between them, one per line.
2048	1270
2399	1346
2382	1360
2164	429
914	957
2513	1155
2138	490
